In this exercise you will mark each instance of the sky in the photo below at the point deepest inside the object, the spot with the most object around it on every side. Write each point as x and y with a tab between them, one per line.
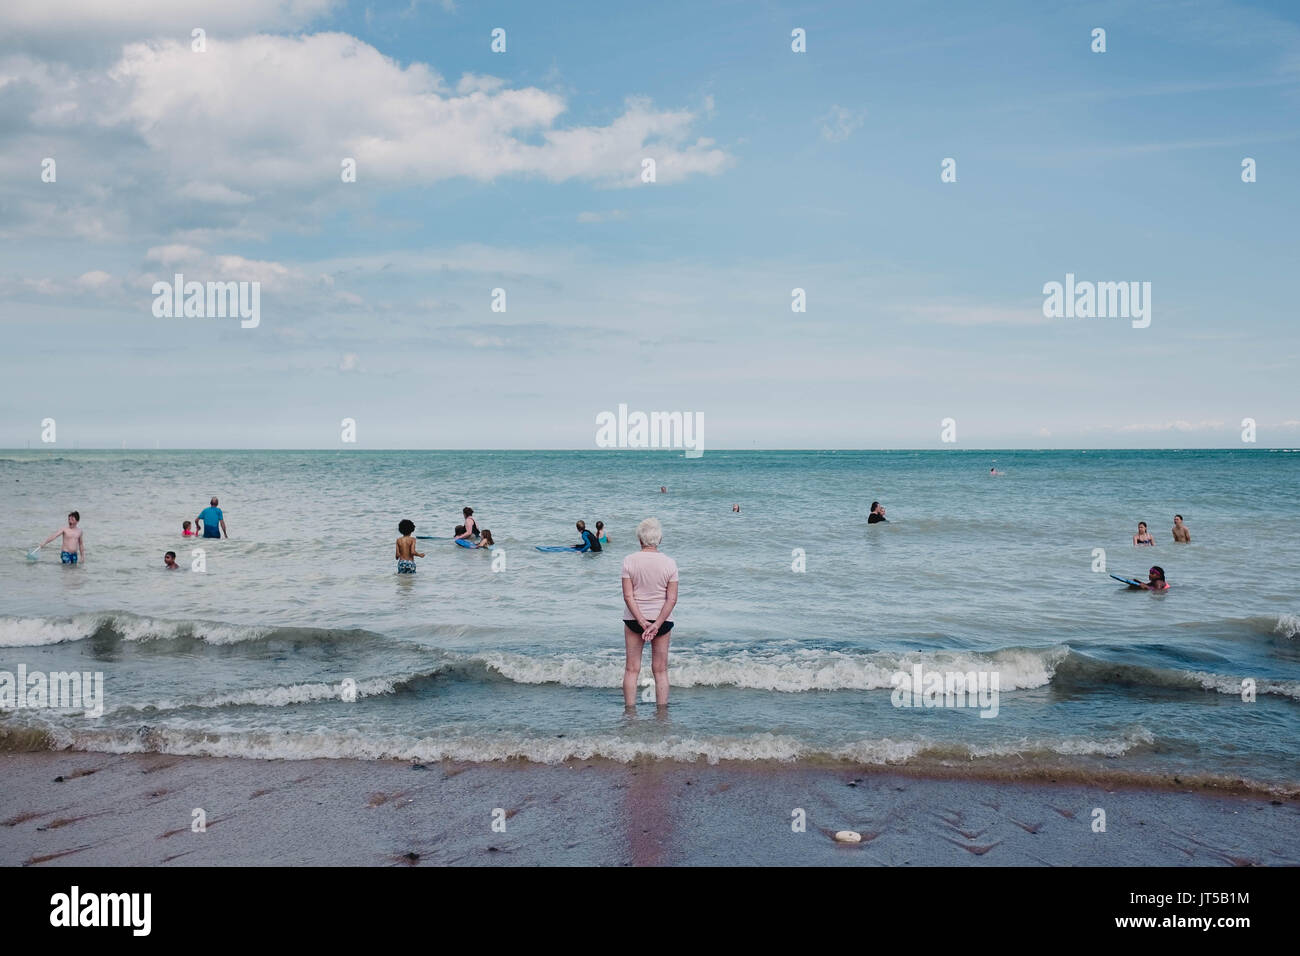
522	170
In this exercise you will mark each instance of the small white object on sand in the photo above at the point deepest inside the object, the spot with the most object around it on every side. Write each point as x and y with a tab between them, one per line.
848	836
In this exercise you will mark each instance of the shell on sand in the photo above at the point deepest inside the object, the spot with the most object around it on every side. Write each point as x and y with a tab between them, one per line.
848	836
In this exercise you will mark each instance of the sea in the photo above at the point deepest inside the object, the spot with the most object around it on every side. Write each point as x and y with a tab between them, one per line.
799	627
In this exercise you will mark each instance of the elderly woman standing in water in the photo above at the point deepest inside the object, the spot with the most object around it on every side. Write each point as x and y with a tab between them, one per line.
650	594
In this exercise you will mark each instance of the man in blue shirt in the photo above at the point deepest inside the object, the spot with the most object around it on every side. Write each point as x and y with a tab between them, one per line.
214	524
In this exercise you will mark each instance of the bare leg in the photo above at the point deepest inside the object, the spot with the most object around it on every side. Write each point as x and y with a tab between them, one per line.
659	666
632	669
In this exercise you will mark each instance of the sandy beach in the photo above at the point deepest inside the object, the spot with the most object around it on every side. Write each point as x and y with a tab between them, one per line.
89	809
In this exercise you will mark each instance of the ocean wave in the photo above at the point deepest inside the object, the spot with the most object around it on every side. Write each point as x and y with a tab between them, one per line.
762	747
1288	625
39	631
787	670
1079	668
287	694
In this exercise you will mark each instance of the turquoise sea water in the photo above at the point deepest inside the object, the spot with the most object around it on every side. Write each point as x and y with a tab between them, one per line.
972	573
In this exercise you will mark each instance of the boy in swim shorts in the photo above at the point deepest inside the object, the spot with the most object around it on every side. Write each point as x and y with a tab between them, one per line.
74	542
406	553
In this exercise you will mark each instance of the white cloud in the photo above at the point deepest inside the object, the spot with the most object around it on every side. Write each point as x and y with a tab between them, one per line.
839	123
267	111
95	279
249	137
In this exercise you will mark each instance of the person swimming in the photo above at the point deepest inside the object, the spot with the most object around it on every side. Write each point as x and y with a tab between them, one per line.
589	541
1156	580
169	560
186	530
1181	534
877	514
1143	536
487	541
600	533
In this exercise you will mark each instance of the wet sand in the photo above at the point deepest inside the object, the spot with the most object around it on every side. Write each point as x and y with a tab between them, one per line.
90	809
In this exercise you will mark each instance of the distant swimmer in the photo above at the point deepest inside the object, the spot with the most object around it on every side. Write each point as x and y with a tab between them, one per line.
600	533
1156	580
406	553
470	528
589	541
995	473
736	509
1143	536
1181	534
663	489
487	541
212	520
877	514
169	561
74	541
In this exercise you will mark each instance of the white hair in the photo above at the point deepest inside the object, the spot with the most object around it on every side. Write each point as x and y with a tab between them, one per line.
650	532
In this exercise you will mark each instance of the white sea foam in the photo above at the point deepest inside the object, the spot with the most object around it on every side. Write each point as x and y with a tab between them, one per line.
1232	685
195	741
1288	625
788	670
281	696
38	631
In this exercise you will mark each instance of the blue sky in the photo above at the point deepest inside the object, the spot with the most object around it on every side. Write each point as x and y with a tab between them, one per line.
520	170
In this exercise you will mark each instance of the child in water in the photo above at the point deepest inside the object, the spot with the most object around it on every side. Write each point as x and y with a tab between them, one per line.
406	553
1156	580
186	530
74	541
487	541
600	533
169	560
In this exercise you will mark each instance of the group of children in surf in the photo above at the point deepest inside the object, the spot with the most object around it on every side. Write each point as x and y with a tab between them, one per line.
481	538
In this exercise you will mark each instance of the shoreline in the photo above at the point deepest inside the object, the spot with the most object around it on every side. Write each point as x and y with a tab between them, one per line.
96	809
1089	773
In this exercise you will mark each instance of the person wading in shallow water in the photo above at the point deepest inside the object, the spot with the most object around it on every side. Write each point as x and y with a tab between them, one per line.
649	596
213	521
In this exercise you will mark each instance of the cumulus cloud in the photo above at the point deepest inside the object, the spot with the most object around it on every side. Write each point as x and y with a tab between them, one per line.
251	135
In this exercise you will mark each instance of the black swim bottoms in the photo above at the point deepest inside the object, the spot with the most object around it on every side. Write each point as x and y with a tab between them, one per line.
636	628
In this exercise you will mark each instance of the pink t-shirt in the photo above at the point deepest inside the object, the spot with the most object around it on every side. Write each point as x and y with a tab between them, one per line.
650	572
